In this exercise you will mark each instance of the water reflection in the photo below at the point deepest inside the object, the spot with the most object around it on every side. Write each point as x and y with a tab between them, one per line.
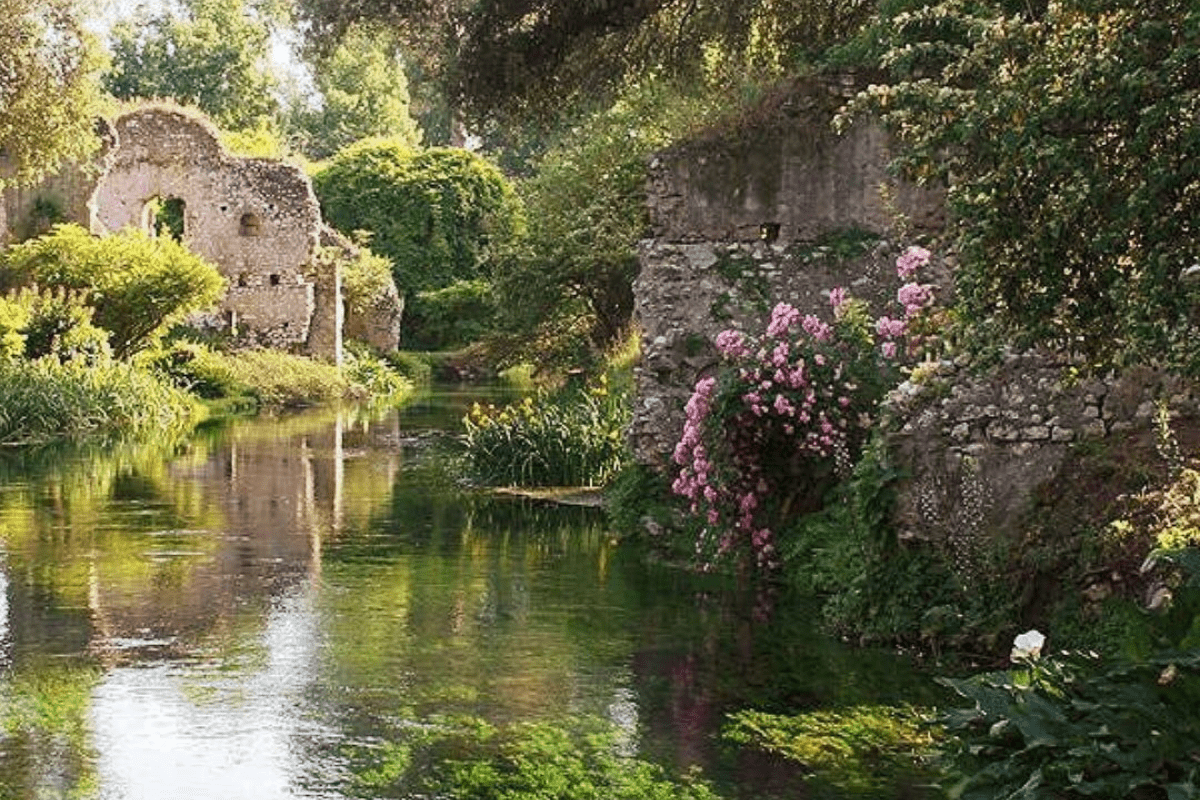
255	611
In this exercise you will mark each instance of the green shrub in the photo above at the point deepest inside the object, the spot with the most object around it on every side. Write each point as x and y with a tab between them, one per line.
283	380
14	316
366	279
48	399
437	214
272	378
137	285
416	367
60	325
199	370
574	438
443	319
373	375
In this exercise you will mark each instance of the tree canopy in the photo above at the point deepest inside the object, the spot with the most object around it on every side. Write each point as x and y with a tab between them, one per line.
48	97
532	57
363	93
439	214
213	57
1069	137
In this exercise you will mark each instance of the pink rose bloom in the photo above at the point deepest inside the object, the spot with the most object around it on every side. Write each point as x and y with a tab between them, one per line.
914	297
732	344
889	349
817	329
911	260
783	316
837	298
890	328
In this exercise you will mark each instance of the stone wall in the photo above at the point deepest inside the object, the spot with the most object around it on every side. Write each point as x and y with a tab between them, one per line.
28	211
782	212
257	220
974	448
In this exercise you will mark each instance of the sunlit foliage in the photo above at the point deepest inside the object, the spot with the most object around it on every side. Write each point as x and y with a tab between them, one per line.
48	97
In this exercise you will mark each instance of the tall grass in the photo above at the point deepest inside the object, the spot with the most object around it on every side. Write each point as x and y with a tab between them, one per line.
274	379
573	438
45	399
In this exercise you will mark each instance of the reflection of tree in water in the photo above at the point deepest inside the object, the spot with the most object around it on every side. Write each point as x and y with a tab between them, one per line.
45	748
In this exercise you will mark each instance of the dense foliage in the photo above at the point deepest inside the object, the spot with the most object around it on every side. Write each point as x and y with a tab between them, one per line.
439	215
48	399
212	56
1069	134
136	284
363	93
48	96
451	317
511	57
1078	725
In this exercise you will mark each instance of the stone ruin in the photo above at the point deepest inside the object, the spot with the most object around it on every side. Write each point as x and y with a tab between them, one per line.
256	219
740	223
747	218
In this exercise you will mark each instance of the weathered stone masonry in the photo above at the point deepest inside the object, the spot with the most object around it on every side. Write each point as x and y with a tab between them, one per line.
257	220
737	227
737	222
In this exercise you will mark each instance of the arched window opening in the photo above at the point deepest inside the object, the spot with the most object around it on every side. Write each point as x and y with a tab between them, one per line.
274	280
250	225
165	217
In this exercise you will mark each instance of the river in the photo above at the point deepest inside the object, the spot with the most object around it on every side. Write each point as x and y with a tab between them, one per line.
256	611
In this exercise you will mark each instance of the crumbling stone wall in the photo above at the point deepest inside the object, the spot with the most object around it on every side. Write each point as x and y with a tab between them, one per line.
783	211
975	448
376	323
28	211
257	219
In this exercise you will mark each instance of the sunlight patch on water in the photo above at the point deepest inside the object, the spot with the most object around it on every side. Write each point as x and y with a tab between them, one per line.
229	731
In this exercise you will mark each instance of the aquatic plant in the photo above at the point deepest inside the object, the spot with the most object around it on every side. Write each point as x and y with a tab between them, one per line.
470	759
572	438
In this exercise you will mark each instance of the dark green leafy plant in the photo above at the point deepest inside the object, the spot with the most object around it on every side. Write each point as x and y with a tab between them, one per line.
1067	133
1079	726
453	316
439	215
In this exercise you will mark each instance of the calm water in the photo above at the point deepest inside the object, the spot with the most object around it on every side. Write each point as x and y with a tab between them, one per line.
255	611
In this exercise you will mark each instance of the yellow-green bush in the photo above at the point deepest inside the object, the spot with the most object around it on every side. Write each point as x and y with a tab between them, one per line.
136	284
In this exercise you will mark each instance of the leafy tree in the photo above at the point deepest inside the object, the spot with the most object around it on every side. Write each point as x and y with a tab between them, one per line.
363	93
213	57
530	58
1069	136
586	208
48	96
138	285
439	215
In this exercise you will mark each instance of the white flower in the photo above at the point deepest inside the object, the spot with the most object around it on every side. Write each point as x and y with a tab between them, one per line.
1028	645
